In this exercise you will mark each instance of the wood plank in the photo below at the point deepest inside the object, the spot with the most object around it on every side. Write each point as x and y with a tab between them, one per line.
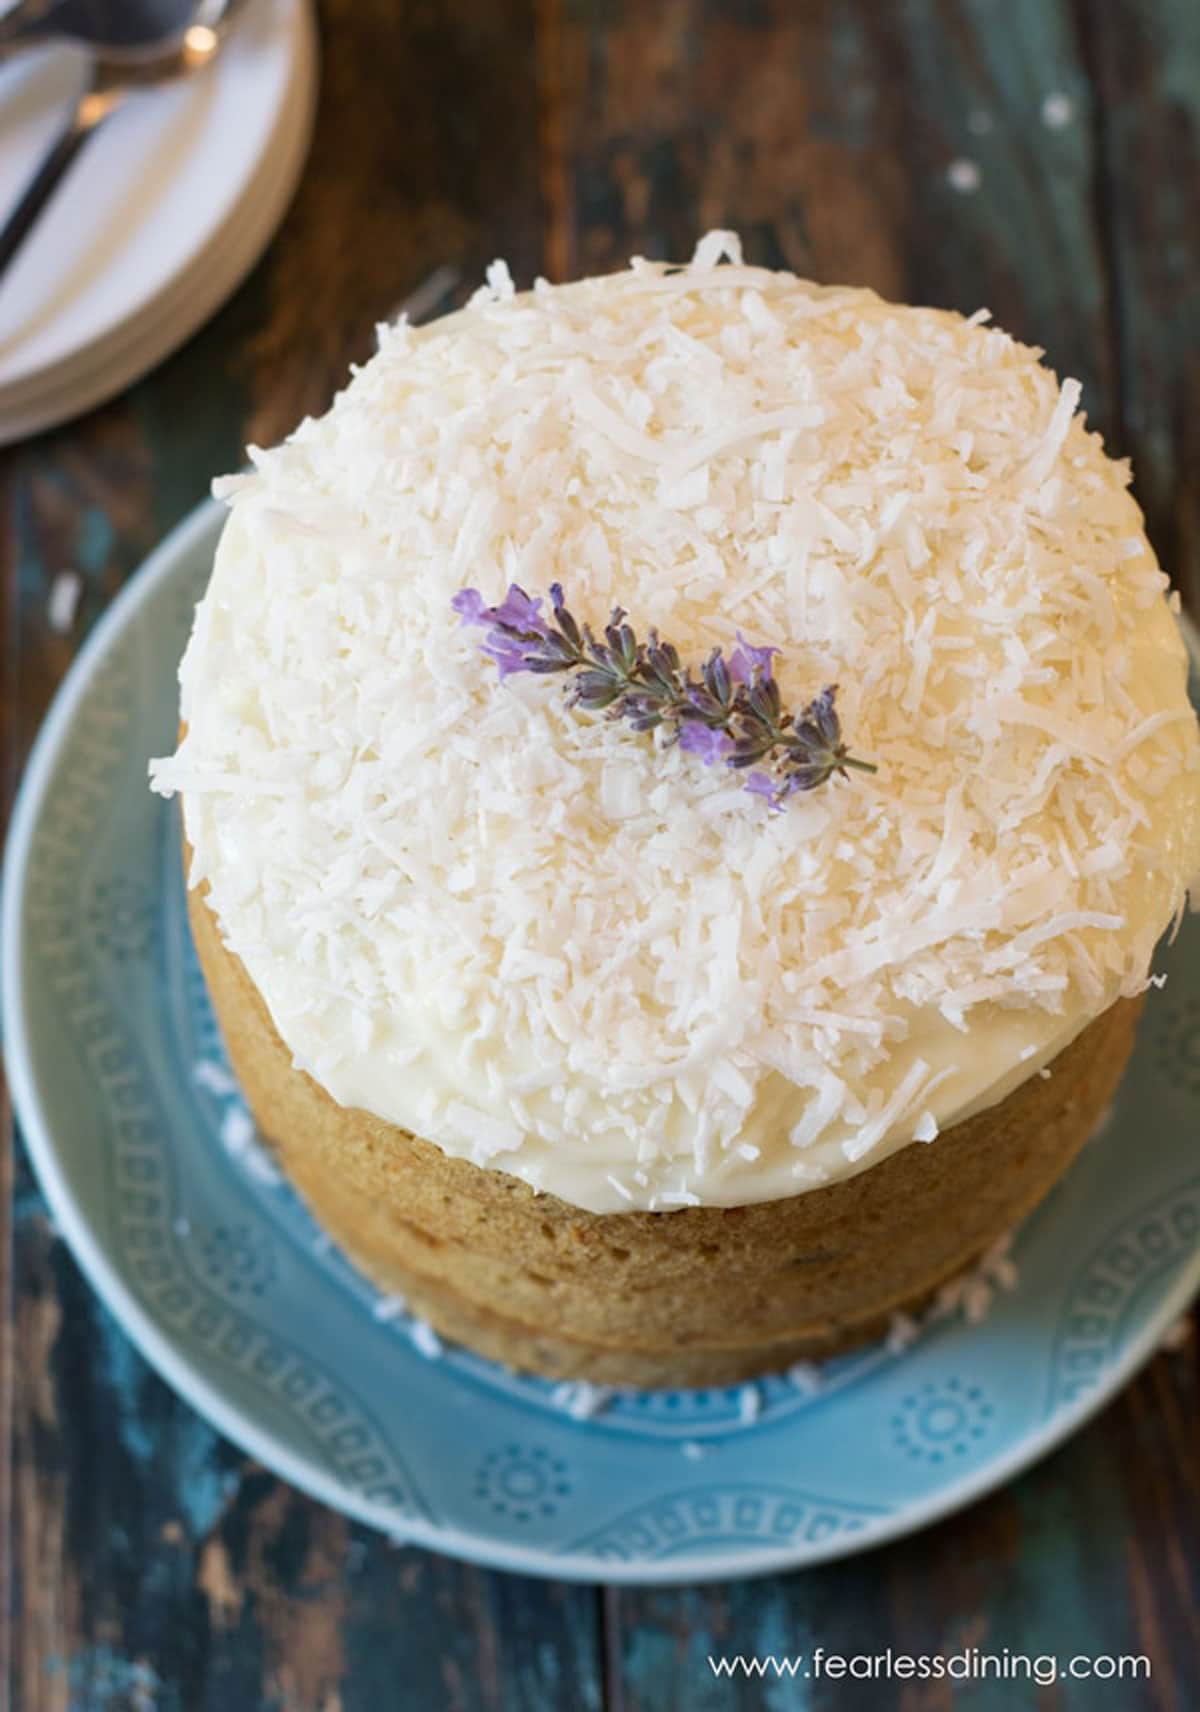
426	157
900	147
1146	61
154	1558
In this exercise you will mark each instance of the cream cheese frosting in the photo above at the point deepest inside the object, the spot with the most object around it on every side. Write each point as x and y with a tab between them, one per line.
555	947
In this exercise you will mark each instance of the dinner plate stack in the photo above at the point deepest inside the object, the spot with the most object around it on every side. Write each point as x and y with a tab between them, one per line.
161	216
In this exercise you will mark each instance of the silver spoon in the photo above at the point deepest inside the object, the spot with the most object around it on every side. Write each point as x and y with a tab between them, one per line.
136	28
125	58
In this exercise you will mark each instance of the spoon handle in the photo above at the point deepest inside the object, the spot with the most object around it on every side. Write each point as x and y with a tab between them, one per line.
25	24
92	109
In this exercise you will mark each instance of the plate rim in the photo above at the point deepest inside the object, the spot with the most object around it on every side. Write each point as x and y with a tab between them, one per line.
136	344
297	34
170	1361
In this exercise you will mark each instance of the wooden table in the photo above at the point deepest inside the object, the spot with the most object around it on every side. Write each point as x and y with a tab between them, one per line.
1041	157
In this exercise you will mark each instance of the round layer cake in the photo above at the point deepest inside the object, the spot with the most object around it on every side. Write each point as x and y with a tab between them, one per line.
612	1066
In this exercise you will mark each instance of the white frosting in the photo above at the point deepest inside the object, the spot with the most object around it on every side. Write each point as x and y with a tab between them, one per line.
548	945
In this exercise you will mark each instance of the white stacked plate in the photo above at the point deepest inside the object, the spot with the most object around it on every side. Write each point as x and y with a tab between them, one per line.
159	219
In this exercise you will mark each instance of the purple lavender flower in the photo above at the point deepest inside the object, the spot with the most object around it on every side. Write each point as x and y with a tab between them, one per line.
705	741
813	749
818	725
763	785
802	776
470	606
746	660
731	714
508	654
515	628
519	611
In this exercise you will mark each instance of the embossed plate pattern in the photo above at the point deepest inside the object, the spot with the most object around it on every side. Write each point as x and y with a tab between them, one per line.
222	1279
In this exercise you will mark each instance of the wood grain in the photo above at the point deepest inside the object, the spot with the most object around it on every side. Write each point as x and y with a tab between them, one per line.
146	1563
1146	64
832	137
426	156
154	1560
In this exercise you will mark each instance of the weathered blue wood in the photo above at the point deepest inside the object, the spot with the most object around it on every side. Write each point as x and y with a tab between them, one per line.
160	1562
901	146
1147	65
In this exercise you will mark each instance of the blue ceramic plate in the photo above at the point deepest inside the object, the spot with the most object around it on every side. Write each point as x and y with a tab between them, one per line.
220	1276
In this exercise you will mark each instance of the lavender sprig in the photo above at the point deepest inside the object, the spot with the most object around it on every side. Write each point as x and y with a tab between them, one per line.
731	714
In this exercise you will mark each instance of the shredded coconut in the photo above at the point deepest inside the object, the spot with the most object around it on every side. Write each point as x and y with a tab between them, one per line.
749	1404
213	1077
903	1332
63	601
389	1308
716	247
425	1340
426	297
972	1293
805	1377
240	1140
580	1399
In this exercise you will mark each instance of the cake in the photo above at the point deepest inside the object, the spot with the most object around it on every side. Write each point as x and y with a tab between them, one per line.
610	1066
